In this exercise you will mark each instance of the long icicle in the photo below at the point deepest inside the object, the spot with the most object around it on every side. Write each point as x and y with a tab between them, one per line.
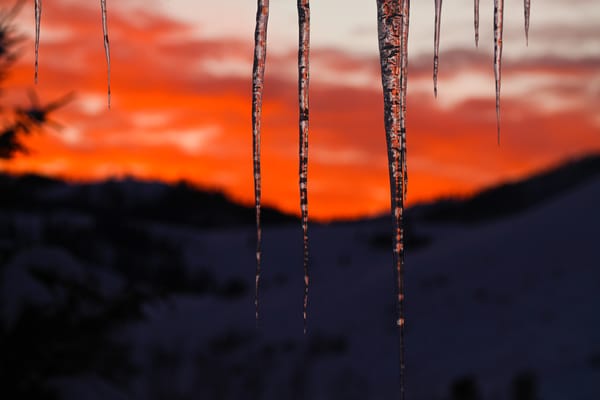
393	23
436	41
303	81
106	45
498	27
258	74
527	7
38	20
403	94
476	22
403	181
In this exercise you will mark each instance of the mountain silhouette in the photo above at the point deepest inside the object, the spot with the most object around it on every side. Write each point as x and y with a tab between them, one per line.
181	203
514	197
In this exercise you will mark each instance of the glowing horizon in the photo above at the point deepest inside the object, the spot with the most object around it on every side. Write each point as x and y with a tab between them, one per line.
181	100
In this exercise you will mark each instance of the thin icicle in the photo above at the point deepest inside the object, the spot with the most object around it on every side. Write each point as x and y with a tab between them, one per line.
393	22
303	81
106	45
436	41
498	26
476	23
258	74
527	6
405	8
38	20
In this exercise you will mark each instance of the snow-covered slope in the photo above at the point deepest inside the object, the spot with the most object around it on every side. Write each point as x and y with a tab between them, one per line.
517	297
490	307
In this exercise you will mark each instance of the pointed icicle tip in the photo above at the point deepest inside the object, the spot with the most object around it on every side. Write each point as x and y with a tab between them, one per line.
498	130
258	73
393	29
303	111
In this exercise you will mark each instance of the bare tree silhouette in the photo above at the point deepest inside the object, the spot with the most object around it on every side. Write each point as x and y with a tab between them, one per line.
22	120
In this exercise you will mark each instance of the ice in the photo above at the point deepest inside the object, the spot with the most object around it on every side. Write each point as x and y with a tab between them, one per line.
106	45
476	22
393	23
498	26
258	74
436	55
38	18
303	83
527	6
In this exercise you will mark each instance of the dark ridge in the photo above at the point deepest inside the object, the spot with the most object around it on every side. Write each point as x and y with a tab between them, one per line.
512	198
181	204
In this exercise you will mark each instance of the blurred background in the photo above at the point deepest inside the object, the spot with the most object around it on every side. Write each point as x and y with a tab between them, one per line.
127	238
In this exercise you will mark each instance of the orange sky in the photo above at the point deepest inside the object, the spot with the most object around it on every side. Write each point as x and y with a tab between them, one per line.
181	107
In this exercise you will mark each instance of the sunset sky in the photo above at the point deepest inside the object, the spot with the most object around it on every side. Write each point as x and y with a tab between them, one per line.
181	104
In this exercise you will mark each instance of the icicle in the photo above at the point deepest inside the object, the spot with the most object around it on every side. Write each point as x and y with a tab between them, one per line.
106	45
303	80
38	19
476	23
527	4
258	74
498	26
436	40
393	22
